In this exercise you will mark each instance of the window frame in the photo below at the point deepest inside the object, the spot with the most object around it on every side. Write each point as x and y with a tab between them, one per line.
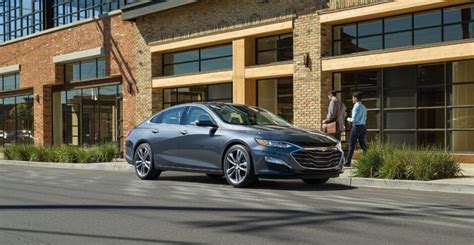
97	73
167	104
199	60
412	30
446	129
258	51
2	81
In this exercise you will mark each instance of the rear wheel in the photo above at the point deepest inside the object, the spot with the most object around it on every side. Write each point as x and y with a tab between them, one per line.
143	160
238	167
315	181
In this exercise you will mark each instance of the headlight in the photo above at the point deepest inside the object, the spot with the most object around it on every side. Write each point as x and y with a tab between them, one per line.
274	143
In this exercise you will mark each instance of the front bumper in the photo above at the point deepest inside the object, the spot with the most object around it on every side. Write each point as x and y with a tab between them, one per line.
302	163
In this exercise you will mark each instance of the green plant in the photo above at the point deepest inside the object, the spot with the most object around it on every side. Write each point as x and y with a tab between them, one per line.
69	154
391	161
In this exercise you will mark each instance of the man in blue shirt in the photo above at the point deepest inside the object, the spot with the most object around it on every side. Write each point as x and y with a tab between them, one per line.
358	132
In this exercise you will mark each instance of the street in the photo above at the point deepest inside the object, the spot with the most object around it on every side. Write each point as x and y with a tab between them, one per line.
67	206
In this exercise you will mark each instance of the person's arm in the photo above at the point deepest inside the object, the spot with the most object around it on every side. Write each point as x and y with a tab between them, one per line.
355	111
332	110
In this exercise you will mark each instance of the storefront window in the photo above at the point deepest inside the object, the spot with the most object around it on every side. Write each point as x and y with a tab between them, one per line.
422	105
16	120
87	116
9	81
276	95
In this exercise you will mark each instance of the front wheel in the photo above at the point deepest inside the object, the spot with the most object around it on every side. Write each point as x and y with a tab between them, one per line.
238	167
315	181
143	160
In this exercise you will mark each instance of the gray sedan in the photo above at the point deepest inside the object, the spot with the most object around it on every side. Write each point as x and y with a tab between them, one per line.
239	142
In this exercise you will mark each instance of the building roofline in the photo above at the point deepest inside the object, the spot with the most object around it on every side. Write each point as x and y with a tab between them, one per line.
146	7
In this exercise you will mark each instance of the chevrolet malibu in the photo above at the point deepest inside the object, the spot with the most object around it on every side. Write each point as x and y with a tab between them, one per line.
239	142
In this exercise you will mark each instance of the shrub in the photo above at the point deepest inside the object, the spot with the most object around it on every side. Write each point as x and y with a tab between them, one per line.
390	161
68	154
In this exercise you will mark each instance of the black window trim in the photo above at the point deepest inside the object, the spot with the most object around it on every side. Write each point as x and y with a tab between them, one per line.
257	51
412	29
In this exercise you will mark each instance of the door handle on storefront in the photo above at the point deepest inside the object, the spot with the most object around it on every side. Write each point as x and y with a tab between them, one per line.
184	132
155	131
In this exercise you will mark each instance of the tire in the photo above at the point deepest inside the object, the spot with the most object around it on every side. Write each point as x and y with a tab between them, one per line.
143	163
238	167
315	181
215	176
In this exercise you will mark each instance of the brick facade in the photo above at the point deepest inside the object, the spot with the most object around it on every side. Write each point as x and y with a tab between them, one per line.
212	16
35	56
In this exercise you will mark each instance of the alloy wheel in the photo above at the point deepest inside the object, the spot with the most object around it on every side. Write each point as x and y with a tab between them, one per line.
238	166
143	161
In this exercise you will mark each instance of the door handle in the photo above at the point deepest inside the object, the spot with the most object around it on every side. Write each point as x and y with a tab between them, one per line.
184	132
155	131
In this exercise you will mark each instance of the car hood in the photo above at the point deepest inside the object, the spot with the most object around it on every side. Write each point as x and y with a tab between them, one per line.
292	134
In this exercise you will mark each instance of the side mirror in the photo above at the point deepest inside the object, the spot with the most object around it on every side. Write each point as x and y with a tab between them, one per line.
206	123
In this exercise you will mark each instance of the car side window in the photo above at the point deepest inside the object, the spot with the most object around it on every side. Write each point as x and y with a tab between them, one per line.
196	114
172	116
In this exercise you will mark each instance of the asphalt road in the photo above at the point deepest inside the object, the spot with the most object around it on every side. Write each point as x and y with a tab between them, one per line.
64	206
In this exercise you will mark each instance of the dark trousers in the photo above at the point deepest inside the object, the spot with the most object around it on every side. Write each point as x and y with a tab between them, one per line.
358	133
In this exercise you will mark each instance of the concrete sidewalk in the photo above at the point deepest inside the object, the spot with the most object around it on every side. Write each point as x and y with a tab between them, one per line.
464	184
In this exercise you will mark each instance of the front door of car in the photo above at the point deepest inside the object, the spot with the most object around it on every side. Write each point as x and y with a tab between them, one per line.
200	146
164	135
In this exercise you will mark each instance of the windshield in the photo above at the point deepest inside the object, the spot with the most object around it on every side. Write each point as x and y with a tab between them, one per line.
247	115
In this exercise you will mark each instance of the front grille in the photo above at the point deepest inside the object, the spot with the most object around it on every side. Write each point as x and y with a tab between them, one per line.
314	144
318	157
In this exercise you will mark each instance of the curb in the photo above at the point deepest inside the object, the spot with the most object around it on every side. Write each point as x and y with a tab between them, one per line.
403	185
123	166
108	166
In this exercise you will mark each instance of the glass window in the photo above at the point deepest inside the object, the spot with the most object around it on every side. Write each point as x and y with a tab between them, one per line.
275	49
276	95
431	118
172	116
16	120
400	98
406	30
216	52
181	57
431	97
431	138
10	81
461	141
400	77
217	92
399	39
87	116
369	28
85	70
198	60
196	114
431	75
461	118
399	119
407	138
427	19
220	92
396	24
370	43
247	115
422	104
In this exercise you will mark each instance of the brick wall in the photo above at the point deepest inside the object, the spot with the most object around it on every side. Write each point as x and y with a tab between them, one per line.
213	16
35	55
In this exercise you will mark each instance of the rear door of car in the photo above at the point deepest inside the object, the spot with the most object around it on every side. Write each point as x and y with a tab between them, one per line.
164	135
